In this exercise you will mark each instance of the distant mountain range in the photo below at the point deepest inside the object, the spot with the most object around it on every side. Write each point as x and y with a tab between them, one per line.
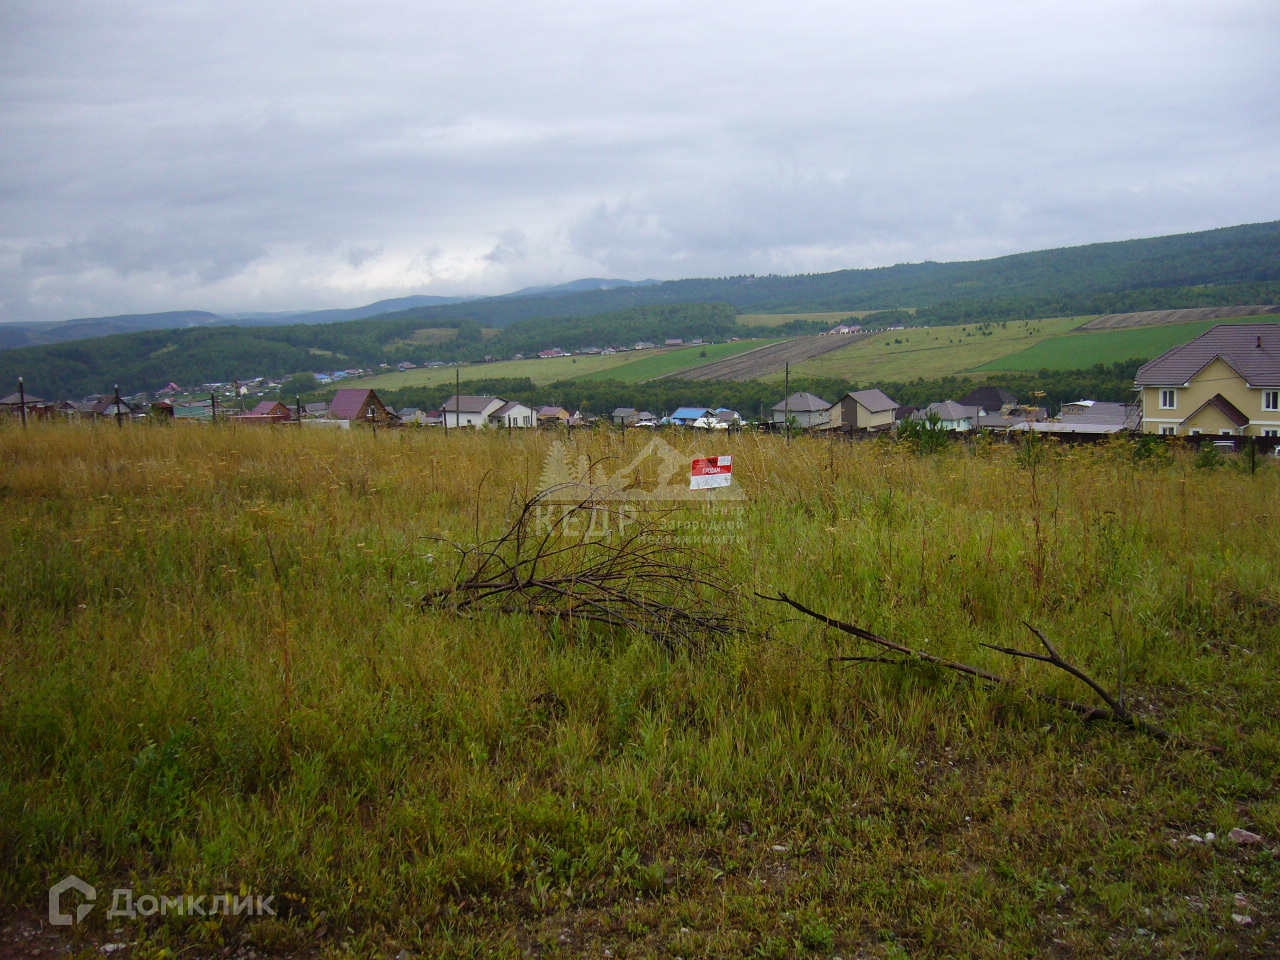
1225	267
63	331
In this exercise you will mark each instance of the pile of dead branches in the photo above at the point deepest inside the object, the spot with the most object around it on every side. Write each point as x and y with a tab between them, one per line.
596	561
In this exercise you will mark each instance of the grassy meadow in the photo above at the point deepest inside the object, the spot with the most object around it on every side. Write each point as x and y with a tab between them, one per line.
651	364
541	370
215	677
932	351
1076	350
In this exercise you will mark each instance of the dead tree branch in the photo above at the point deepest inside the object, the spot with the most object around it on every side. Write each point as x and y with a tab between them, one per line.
635	574
1114	711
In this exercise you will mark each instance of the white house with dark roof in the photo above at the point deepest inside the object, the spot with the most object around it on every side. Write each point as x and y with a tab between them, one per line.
951	415
1226	381
807	409
513	414
469	411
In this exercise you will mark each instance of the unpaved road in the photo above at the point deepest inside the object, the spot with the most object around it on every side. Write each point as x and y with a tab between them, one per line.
768	359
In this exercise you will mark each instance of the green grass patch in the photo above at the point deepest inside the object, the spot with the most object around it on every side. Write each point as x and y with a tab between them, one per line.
216	677
1074	351
655	364
539	370
932	352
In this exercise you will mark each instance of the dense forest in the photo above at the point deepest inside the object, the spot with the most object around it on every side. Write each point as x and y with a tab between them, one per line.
753	399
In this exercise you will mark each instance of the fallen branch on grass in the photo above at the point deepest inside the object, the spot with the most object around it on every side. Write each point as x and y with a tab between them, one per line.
1114	711
636	574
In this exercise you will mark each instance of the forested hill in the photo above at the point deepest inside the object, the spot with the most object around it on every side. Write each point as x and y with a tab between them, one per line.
1234	265
1021	284
150	359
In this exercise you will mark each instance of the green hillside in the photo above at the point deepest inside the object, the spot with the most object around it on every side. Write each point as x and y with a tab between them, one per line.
672	361
1075	351
1210	268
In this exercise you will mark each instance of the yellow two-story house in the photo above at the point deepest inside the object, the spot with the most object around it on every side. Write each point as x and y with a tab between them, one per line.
1225	381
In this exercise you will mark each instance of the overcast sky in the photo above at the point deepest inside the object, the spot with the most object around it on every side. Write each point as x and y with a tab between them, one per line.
233	156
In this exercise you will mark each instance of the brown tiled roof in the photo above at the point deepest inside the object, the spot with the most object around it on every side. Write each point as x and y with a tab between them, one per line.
949	410
1251	349
875	401
989	398
347	402
802	403
466	404
1225	407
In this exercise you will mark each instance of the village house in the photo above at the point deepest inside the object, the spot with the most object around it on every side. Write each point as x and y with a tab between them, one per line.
359	405
685	416
268	411
989	400
35	407
469	411
1088	418
553	416
807	410
629	416
953	416
512	414
862	412
1226	382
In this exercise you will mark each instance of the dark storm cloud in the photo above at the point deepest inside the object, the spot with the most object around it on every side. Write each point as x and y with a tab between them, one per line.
240	156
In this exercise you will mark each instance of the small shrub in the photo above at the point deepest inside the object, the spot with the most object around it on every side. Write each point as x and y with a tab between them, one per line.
1209	458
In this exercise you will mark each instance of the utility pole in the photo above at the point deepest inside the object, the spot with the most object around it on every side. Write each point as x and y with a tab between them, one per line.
786	402
457	396
119	412
213	407
22	402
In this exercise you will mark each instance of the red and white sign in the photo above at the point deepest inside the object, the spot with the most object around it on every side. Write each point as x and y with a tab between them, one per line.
711	472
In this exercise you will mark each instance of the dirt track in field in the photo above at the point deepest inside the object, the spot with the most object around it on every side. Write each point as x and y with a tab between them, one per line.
1155	318
769	359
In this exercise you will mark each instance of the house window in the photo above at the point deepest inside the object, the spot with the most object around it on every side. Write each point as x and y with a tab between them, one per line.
1168	431
1271	432
1196	431
1271	399
1168	399
1225	433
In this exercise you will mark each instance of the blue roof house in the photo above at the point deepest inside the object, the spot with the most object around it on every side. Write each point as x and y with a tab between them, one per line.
686	415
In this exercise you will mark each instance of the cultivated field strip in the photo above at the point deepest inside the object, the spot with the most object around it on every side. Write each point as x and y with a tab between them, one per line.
1153	318
765	360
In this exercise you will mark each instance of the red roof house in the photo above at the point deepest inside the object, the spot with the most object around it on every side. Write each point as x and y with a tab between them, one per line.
361	405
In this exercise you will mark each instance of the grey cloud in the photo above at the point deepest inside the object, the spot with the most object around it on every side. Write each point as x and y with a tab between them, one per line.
235	156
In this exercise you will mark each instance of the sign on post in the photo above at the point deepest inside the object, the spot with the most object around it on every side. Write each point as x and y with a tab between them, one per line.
709	472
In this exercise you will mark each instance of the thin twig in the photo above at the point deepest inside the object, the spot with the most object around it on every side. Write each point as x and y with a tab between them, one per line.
1114	710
